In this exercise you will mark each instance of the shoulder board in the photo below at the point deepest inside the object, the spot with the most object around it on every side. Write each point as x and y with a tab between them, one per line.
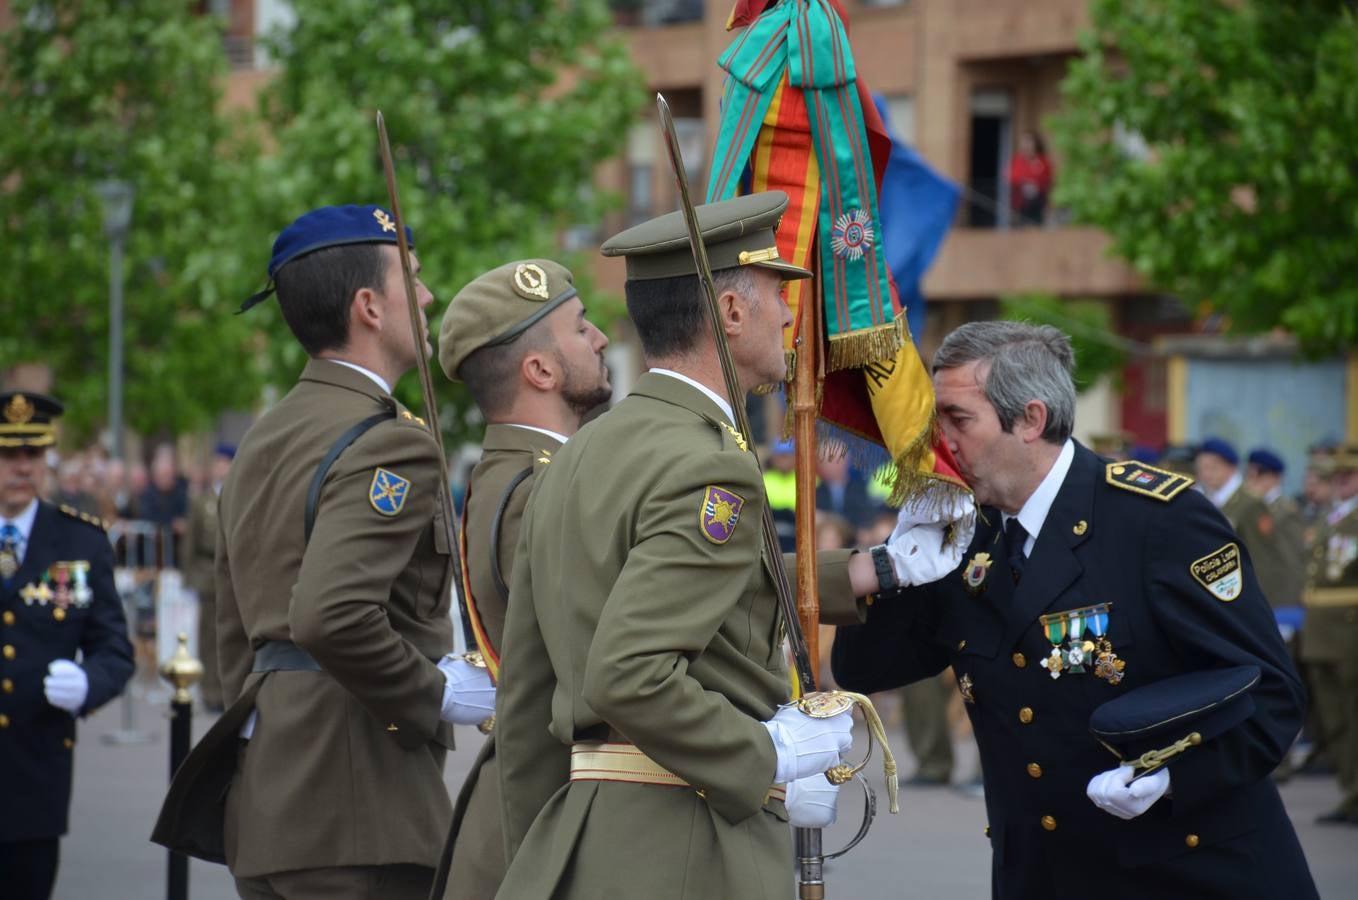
409	417
72	512
721	427
1149	481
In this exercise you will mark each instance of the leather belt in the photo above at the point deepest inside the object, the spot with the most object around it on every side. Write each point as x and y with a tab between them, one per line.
283	656
614	761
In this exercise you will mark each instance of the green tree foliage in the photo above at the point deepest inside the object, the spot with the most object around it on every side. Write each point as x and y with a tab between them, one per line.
498	113
99	89
1246	194
1098	349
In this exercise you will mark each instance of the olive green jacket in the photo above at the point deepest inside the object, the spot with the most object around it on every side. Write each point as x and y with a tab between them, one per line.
345	765
1330	630
634	617
200	544
495	494
1274	552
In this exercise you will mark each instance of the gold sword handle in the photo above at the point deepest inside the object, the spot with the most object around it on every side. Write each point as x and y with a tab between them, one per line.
826	704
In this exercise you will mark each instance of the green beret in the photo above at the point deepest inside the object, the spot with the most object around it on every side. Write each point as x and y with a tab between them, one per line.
499	306
737	232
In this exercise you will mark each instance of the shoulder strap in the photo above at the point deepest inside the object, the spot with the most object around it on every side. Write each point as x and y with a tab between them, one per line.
313	495
501	588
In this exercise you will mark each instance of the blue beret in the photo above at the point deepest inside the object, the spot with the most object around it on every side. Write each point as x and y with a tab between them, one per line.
227	450
329	226
1145	454
1155	716
782	448
1266	460
1220	448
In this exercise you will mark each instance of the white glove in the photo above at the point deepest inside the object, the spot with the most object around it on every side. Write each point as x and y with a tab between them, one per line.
807	746
468	693
931	535
811	802
66	685
1112	793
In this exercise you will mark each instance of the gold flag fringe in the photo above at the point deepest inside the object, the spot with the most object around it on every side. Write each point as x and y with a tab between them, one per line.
866	345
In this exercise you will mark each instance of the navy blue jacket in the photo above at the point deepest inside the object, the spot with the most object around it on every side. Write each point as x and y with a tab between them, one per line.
1223	832
37	741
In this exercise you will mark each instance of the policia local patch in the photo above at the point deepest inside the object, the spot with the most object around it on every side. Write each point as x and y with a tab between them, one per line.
1219	572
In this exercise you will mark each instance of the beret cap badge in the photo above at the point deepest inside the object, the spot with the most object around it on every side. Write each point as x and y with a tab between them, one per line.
530	281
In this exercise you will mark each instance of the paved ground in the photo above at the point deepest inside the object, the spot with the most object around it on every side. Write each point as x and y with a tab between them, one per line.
934	849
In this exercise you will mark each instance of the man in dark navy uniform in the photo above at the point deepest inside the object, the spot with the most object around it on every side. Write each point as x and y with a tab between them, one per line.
1085	580
63	645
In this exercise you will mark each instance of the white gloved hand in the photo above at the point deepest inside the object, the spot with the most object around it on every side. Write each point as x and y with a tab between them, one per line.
807	746
1112	793
468	692
66	685
931	535
811	802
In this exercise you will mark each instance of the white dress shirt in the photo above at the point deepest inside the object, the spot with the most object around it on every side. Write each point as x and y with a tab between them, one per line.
716	398
1035	509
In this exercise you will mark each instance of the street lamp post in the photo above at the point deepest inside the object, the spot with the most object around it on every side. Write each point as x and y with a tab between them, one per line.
116	198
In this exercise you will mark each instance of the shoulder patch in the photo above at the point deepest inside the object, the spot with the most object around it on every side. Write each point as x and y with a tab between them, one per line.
72	512
388	492
1219	572
719	513
1148	481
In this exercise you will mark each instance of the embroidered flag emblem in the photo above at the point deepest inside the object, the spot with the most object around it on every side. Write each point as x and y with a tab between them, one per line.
720	512
388	492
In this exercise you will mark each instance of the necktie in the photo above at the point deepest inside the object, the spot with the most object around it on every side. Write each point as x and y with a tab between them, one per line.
1014	538
9	550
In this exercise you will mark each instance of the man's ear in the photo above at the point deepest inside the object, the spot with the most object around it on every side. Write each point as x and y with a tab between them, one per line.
540	370
365	310
735	312
1033	421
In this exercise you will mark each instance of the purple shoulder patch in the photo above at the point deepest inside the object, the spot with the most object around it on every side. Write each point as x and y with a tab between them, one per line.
719	514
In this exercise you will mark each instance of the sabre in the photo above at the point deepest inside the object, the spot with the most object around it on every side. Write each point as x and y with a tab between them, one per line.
421	336
808	840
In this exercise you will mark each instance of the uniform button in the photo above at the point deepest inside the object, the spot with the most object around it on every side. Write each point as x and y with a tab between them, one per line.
1049	823
392	727
987	831
961	644
59	614
1191	840
1020	660
4	721
8	652
9	617
1026	715
1034	770
7	686
67	743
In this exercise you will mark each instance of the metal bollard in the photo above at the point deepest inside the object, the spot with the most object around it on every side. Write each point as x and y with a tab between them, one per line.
181	671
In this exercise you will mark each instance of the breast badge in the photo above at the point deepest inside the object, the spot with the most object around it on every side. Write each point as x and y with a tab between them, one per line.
965	687
388	492
1219	572
975	572
719	514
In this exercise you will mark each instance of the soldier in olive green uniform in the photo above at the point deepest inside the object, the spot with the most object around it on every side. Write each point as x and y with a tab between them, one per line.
200	544
642	749
1280	562
333	589
1329	636
517	336
1218	469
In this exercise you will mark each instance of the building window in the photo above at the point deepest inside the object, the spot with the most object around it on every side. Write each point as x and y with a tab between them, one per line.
900	112
987	186
640	173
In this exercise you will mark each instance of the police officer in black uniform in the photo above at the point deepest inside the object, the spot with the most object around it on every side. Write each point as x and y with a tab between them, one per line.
64	650
1085	580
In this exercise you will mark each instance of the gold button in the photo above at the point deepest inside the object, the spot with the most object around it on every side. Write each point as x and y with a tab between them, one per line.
961	644
987	831
1025	715
1049	823
7	686
1020	660
1034	770
67	743
59	614
4	721
1191	840
392	727
8	651
9	617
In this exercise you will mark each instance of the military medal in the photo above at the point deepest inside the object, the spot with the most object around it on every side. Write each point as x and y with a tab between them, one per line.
39	592
1074	654
61	576
82	593
964	685
1106	663
976	571
9	564
1055	626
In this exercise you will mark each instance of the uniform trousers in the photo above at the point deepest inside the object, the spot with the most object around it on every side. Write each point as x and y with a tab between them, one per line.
1335	698
401	882
925	711
28	869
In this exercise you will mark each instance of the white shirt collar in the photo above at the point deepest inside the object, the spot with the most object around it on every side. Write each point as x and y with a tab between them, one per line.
377	379
23	522
1274	495
1039	503
715	397
561	438
1232	485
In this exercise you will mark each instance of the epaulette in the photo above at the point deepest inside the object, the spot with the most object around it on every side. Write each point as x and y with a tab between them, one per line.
721	426
408	416
71	511
1149	481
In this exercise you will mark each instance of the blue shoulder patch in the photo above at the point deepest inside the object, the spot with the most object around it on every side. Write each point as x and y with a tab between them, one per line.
388	492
